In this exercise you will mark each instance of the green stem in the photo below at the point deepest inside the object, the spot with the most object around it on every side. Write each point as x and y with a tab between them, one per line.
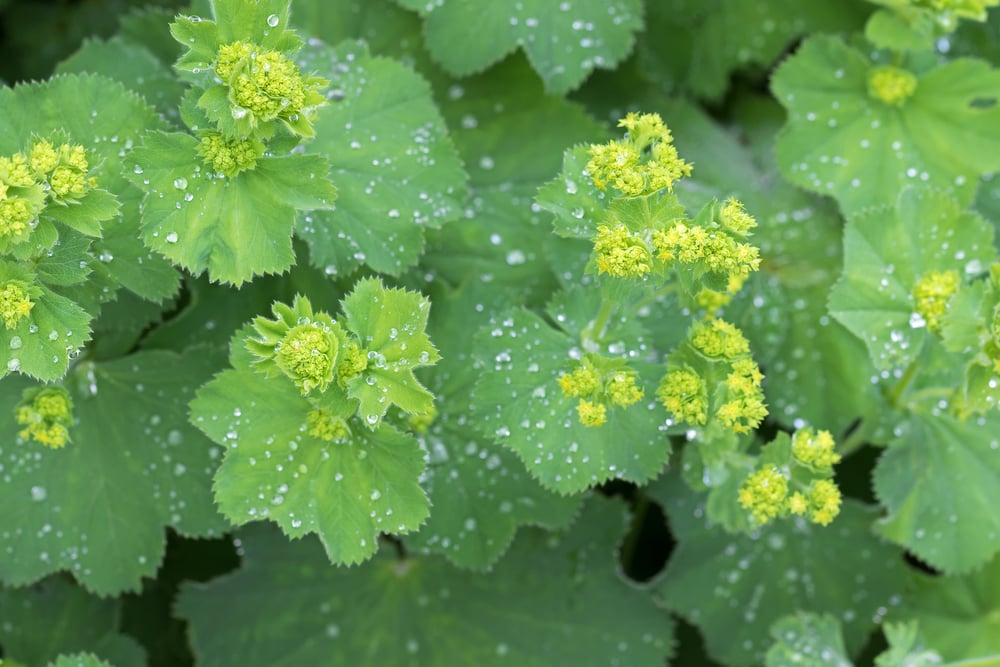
896	393
855	440
594	332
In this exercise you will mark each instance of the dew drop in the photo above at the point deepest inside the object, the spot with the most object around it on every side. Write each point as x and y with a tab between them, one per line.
273	20
171	237
180	183
15	342
38	493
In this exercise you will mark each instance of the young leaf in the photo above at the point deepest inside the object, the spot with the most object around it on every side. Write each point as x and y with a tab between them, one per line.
233	227
941	482
807	640
563	46
395	167
134	465
888	253
518	400
553	600
79	660
957	615
843	141
347	490
55	617
733	587
390	325
42	344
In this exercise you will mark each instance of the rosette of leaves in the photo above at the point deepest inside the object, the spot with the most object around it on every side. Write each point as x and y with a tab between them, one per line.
66	241
860	130
300	416
223	197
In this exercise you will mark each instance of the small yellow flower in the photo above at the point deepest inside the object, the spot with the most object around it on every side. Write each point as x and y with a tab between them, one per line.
420	423
582	381
308	355
717	338
824	502
621	253
326	426
591	414
14	303
229	156
46	413
764	494
815	449
735	218
932	293
621	162
684	393
891	85
798	504
622	391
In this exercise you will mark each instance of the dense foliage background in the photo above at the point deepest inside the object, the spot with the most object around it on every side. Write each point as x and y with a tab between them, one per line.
448	132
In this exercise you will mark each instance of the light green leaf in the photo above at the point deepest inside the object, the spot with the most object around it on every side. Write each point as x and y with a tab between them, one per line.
578	204
69	262
886	252
564	44
480	491
133	65
841	142
906	648
43	343
134	466
518	400
346	491
734	587
86	214
941	484
807	640
55	617
553	600
79	660
396	170
390	325
957	616
235	228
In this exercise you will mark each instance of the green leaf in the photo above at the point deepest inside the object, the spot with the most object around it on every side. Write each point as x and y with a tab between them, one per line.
133	65
841	142
906	648
390	325
396	170
134	466
43	343
518	400
512	136
807	640
734	587
63	266
86	214
564	46
480	491
79	660
708	40
553	600
941	484
347	491
957	615
54	617
235	228
886	252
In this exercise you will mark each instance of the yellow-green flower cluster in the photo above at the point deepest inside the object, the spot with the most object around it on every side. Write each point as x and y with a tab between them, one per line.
326	426
714	249
971	9
683	392
229	156
765	494
932	293
717	338
421	422
822	502
598	389
15	303
308	355
744	408
265	83
306	347
644	162
64	168
815	449
892	85
621	253
46	414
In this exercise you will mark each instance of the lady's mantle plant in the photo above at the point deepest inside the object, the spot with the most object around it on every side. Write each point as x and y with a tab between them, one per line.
480	321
